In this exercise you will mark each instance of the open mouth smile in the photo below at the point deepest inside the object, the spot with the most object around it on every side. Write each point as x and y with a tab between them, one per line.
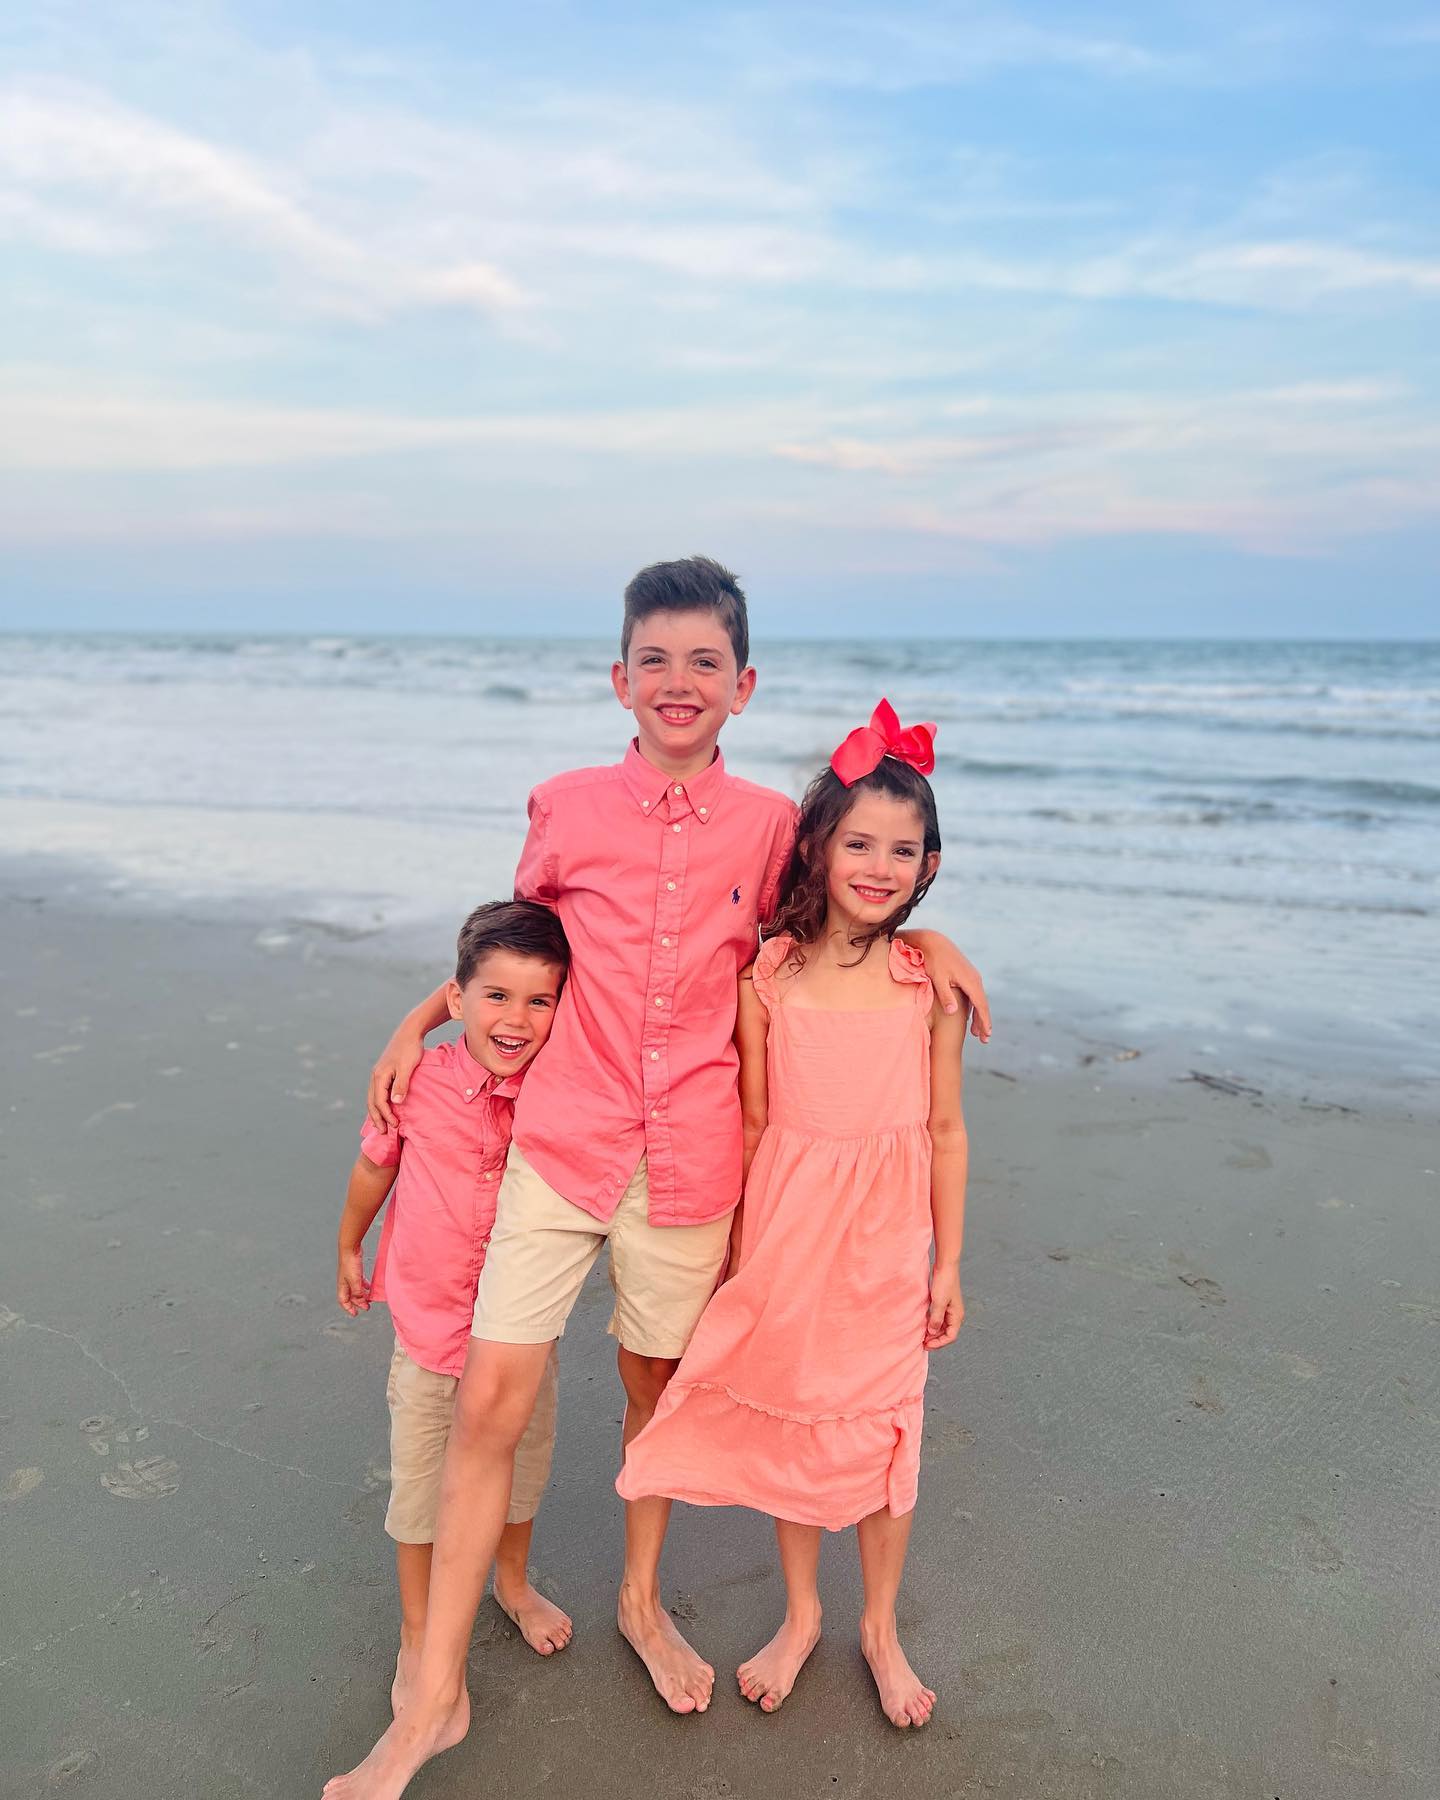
509	1047
872	896
678	715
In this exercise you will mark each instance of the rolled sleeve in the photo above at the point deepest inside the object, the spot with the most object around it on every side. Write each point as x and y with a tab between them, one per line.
380	1147
535	877
783	844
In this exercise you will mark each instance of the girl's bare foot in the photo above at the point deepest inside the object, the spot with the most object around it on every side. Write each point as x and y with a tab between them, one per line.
422	1731
407	1662
542	1624
904	1698
683	1680
770	1674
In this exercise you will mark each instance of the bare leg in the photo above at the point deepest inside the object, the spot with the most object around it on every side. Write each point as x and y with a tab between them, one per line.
541	1623
682	1680
770	1674
412	1567
904	1698
493	1403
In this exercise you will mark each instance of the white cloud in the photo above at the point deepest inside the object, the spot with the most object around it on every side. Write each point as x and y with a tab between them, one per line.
911	46
125	179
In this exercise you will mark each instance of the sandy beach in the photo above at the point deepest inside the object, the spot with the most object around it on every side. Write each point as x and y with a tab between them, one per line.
1176	1538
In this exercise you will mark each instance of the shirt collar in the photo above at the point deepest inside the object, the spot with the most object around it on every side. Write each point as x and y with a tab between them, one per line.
475	1081
648	786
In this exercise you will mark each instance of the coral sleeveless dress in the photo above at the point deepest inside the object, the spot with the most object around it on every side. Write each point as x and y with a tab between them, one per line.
801	1393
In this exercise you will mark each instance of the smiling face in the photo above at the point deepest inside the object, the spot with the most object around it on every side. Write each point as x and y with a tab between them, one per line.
507	1008
874	860
680	680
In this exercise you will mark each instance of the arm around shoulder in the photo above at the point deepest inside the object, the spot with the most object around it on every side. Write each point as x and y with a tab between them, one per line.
954	977
390	1078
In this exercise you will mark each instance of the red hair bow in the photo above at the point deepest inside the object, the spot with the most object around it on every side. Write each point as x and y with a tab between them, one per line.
861	752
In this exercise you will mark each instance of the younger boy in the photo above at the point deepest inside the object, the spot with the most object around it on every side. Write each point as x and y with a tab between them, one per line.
444	1161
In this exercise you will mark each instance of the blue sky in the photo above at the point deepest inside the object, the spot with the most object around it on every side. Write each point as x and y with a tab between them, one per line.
997	320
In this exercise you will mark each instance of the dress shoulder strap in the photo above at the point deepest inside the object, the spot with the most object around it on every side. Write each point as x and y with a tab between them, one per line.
768	963
907	966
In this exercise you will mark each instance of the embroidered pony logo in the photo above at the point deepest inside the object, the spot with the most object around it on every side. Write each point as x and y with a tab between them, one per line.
735	896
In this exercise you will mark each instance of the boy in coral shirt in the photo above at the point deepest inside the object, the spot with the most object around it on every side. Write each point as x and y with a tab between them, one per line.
440	1167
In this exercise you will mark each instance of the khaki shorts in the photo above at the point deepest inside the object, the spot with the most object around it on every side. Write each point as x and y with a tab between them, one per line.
422	1405
542	1248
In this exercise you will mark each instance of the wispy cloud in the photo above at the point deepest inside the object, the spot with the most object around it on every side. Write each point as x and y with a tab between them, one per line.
915	46
85	174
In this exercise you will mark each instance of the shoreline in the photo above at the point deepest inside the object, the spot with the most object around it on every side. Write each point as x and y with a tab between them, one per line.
1176	1537
1044	1028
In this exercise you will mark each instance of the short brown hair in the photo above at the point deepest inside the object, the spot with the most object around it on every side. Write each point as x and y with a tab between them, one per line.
522	926
694	584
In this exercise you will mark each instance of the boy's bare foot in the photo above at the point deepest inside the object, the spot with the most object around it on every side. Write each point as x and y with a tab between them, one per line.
904	1698
541	1623
423	1730
407	1661
770	1674
682	1680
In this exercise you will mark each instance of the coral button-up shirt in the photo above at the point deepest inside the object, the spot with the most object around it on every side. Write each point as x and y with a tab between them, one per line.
661	886
454	1135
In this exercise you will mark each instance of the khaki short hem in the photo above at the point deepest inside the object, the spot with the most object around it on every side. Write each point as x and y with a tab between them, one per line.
543	1247
422	1408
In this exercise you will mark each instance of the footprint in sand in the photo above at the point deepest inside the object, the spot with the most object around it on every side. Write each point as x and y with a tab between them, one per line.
1201	1286
1203	1396
946	1434
1316	1550
1249	1156
149	1478
21	1483
68	1766
101	1432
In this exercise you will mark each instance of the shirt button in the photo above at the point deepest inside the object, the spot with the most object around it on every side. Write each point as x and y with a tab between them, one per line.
659	999
654	1112
469	1092
679	790
674	827
703	811
664	943
654	1056
669	887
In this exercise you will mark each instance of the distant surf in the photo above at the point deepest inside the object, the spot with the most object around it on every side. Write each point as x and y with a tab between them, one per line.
1240	837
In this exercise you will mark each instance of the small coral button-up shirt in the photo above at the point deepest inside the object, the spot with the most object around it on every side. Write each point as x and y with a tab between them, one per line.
661	886
453	1137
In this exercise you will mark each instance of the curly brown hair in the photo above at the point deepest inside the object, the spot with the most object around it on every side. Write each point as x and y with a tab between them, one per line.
805	888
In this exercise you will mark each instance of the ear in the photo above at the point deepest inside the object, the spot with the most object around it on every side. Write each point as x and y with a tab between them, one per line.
744	688
620	681
932	867
452	998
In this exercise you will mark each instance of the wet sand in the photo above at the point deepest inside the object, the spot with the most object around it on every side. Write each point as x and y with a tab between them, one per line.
1178	1523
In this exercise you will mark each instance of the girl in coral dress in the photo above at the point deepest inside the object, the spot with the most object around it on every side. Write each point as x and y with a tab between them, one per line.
801	1393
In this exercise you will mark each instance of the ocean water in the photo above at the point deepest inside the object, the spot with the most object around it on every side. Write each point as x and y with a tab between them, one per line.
1234	842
